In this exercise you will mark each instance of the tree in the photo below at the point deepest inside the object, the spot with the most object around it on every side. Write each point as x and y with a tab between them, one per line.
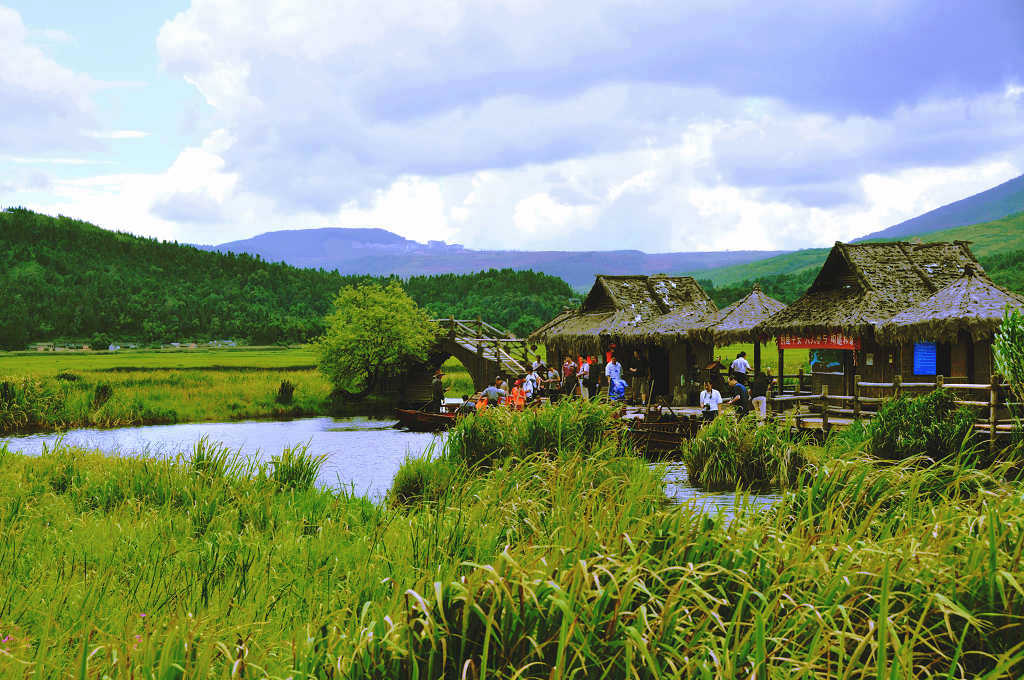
373	333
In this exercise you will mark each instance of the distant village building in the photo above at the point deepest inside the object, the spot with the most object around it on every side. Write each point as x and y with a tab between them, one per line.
884	309
665	316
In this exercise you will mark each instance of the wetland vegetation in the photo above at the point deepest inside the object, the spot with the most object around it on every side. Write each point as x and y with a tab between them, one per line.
559	558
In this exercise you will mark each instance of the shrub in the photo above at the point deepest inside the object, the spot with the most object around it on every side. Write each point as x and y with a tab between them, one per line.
929	425
730	453
285	392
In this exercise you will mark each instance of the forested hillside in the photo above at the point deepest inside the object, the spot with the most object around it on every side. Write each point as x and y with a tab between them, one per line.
62	278
1005	268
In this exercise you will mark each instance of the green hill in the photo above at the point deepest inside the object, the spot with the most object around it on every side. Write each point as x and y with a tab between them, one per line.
62	278
998	245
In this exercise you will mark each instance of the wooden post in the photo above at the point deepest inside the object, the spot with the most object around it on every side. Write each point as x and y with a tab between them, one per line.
781	372
856	397
451	327
897	385
824	408
939	381
993	408
800	380
757	356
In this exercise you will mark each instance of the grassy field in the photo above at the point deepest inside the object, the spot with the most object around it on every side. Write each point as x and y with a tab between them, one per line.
51	363
563	564
60	390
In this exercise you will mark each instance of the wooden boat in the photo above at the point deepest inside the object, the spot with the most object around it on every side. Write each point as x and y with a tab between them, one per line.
422	421
661	438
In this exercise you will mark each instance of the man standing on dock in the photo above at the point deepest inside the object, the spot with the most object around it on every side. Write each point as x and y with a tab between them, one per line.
740	367
437	390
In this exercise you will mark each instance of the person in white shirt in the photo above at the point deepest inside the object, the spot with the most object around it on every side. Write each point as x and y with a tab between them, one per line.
709	400
583	376
739	367
613	370
530	385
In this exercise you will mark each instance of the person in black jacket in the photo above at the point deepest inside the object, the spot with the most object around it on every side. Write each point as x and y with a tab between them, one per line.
759	387
740	397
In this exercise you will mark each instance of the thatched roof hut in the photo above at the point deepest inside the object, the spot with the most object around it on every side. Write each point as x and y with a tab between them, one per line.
862	285
631	309
972	304
740	321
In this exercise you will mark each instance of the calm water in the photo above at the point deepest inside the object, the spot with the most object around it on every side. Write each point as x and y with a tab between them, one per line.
362	453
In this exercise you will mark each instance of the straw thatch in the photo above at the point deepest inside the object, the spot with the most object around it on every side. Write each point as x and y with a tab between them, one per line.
740	321
862	285
972	304
631	309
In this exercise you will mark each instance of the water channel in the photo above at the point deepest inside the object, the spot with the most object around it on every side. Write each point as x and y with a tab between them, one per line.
363	454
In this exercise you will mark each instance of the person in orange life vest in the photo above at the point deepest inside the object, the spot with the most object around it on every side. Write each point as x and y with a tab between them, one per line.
609	354
517	399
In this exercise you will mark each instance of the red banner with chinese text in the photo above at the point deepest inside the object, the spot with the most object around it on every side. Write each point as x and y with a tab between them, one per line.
828	341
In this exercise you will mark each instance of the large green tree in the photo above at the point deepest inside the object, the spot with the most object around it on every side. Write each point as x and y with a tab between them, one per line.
373	333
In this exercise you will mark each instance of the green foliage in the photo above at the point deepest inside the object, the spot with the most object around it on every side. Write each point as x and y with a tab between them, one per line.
1008	351
373	333
567	426
65	279
930	425
285	392
731	453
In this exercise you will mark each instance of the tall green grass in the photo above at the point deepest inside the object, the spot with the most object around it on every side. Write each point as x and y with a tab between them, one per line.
564	562
730	453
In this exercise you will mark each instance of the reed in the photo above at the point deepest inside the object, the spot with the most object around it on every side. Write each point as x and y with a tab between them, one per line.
730	453
561	562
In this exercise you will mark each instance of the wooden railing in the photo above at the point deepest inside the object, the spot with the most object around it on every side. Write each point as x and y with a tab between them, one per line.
837	410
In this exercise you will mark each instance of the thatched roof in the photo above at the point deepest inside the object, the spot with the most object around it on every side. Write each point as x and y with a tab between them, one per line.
631	309
972	304
740	321
862	285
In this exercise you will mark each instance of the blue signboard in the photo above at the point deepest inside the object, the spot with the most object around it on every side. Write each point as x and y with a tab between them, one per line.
924	358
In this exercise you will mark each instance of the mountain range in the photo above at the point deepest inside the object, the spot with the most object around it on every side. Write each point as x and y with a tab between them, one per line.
378	251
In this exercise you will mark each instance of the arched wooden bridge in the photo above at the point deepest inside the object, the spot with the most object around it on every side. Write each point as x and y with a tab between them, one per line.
484	349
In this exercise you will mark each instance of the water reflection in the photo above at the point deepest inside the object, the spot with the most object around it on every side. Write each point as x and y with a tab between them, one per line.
363	454
678	489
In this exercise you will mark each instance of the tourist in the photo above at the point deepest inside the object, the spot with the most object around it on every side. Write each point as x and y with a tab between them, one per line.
596	373
551	382
537	363
437	390
466	407
740	397
583	376
530	383
759	387
613	369
568	376
739	367
639	371
710	398
494	393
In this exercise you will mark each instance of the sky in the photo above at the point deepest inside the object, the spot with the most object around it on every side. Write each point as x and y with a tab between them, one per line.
513	124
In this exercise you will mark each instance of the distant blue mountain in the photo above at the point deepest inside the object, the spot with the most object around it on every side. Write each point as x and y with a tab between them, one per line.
378	251
992	204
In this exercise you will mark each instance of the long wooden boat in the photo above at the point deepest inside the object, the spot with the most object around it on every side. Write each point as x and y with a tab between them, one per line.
421	421
661	438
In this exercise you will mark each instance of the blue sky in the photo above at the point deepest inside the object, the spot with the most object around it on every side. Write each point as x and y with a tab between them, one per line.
655	125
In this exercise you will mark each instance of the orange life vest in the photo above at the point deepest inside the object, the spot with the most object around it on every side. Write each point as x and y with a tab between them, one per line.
481	403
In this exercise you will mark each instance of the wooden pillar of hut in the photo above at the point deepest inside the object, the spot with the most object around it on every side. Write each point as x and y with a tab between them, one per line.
782	370
993	412
757	356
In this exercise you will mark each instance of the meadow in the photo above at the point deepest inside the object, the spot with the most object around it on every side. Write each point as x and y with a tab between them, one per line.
560	560
47	391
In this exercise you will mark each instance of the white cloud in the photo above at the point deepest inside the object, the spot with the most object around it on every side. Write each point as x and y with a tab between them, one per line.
43	105
118	134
